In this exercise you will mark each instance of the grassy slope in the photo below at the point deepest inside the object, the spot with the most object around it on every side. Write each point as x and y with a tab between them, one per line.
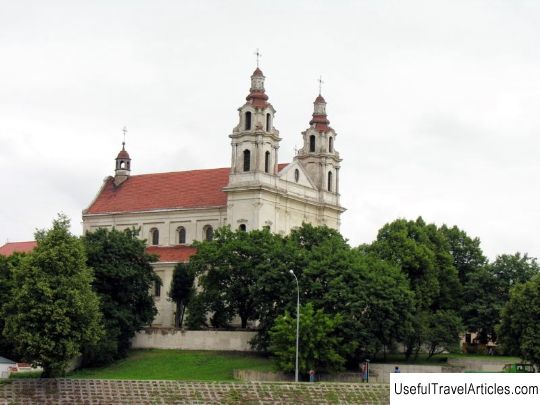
155	364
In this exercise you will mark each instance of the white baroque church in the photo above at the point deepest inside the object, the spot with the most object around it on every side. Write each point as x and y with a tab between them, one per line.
176	208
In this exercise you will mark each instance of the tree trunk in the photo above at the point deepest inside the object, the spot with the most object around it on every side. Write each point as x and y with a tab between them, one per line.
244	322
50	372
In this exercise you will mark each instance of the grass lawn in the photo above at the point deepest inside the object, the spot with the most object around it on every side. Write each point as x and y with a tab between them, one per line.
156	364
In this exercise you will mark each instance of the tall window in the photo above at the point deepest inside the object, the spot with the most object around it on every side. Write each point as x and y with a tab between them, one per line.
208	232
267	162
268	123
157	288
181	234
247	160
329	181
296	175
248	120
312	143
242	227
154	236
330	144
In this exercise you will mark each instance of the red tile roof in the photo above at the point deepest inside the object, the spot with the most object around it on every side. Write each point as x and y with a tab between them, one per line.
190	189
178	253
17	247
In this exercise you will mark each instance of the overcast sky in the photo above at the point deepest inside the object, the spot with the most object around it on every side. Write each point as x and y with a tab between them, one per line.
436	103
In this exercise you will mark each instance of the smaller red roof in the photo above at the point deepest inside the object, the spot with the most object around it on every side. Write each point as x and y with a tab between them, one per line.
17	247
179	253
123	154
320	99
257	72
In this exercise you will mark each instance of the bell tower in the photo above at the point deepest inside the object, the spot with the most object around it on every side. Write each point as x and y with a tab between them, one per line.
123	164
255	140
318	154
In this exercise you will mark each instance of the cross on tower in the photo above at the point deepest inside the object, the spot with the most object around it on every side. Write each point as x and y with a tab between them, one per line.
320	84
258	54
124	130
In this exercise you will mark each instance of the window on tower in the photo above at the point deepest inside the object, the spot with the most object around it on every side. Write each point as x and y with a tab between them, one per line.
267	162
122	164
296	175
329	181
248	121
247	160
268	123
312	143
330	144
181	235
154	236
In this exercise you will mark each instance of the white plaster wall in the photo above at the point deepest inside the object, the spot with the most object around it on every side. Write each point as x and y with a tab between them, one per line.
193	339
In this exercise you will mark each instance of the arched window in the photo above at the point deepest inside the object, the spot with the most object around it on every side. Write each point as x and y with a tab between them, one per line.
268	123
208	232
181	234
248	120
330	144
157	288
242	227
247	160
312	143
267	162
296	175
122	164
154	236
329	181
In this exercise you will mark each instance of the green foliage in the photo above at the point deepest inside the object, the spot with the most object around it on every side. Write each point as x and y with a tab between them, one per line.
123	279
445	327
181	290
53	313
520	321
228	269
320	347
424	254
7	266
466	253
488	289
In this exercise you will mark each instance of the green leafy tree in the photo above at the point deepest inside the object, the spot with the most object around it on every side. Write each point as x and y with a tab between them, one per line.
7	348
181	290
123	277
422	252
228	268
519	332
466	252
54	313
445	327
320	345
487	291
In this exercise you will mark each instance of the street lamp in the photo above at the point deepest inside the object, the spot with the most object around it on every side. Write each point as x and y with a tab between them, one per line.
297	322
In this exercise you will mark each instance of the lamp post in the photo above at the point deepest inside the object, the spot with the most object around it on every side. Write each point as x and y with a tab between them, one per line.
297	322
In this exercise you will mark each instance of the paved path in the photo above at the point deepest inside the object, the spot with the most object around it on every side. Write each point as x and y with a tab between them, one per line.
122	392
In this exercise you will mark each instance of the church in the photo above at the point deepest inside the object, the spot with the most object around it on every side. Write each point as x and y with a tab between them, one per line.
174	209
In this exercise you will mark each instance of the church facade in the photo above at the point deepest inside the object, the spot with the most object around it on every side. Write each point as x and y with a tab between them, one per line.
174	209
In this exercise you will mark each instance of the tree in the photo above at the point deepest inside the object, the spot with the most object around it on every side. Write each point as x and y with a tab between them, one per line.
519	332
466	252
422	252
7	348
181	290
444	330
320	345
488	290
123	280
228	267
54	313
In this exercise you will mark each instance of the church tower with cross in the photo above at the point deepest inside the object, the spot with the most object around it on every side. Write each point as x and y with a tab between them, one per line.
318	154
